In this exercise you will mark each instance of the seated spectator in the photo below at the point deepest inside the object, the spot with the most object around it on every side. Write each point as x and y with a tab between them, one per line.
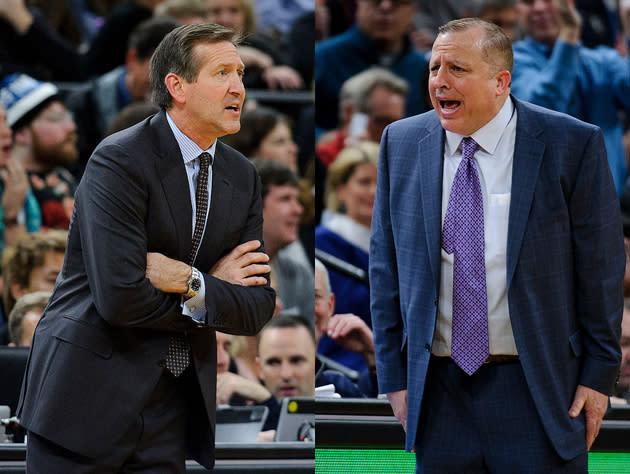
19	211
275	17
552	69
285	363
131	115
186	12
267	66
45	143
32	265
345	234
347	330
379	38
291	272
24	317
504	13
97	102
368	102
30	39
265	133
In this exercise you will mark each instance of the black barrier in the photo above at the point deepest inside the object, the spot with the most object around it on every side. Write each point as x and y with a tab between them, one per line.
370	423
231	458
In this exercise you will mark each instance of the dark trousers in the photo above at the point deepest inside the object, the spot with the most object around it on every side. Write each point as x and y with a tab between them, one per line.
154	443
484	423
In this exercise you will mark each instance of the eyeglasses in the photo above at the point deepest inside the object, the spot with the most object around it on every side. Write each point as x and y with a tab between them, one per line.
394	3
58	117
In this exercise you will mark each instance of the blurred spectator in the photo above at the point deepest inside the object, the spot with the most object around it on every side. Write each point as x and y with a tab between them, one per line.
431	14
623	385
186	12
275	17
552	69
291	273
33	40
345	234
350	332
24	317
131	115
265	133
267	66
32	265
368	102
19	211
504	13
97	102
380	37
45	143
598	28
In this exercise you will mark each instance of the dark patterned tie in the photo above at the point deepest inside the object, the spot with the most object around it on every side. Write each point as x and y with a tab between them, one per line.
463	237
178	357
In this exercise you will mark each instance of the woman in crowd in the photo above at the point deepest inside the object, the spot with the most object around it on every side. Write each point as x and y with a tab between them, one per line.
345	234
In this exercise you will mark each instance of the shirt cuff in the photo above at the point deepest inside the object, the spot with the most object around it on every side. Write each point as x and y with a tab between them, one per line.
195	307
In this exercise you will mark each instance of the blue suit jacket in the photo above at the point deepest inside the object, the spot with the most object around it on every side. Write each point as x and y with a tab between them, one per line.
565	263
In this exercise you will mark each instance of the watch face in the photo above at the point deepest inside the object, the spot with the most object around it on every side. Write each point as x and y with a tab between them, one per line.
195	284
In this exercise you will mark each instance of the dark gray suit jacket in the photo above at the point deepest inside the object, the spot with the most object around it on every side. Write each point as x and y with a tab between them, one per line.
97	352
565	263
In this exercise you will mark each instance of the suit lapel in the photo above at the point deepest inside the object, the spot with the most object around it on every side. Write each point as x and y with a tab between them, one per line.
220	204
431	151
172	173
528	154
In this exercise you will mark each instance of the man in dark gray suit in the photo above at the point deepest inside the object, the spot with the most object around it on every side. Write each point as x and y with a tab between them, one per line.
496	271
122	370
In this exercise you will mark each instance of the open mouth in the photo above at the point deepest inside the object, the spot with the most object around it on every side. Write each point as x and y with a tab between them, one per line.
233	108
449	104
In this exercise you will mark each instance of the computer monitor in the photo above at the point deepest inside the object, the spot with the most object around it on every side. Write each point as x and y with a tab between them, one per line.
239	424
297	419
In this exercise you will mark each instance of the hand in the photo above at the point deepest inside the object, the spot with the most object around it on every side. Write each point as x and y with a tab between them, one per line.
255	58
167	274
265	436
351	333
229	384
282	77
398	401
16	186
16	13
243	266
594	404
569	21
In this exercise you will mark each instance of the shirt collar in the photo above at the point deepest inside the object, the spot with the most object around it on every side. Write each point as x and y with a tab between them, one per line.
487	136
190	150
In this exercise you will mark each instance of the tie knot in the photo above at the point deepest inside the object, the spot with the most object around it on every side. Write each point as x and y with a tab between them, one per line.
205	159
469	147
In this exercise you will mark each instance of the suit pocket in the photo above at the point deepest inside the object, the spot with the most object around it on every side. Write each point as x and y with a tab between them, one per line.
84	335
575	340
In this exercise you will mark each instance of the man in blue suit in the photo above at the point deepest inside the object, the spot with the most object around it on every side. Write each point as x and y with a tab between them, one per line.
496	271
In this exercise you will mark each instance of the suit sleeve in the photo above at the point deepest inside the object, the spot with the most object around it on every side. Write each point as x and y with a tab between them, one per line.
111	207
599	266
236	309
387	323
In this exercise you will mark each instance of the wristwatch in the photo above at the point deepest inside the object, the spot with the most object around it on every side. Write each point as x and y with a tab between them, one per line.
194	283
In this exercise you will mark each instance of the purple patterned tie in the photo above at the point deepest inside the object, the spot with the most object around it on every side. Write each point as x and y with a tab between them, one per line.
463	236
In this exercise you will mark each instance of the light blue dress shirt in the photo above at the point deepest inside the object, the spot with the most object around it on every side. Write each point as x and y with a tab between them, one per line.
194	307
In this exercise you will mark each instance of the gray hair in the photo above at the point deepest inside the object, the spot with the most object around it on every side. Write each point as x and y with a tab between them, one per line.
28	302
319	266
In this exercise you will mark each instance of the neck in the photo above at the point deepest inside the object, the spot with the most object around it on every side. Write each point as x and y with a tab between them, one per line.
190	127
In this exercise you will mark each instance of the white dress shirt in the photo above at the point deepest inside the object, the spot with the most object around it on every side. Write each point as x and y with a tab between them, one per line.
494	160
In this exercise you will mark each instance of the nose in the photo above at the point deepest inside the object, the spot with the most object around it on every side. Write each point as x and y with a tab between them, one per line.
236	86
286	371
439	79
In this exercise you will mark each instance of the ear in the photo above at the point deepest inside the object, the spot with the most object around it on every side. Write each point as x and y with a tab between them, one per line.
176	87
259	368
131	58
340	189
504	80
17	291
23	136
332	303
